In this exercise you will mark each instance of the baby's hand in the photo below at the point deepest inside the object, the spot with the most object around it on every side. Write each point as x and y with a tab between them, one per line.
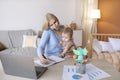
61	42
62	55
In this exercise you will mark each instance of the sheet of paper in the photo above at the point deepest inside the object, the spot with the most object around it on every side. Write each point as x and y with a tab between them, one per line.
56	59
92	73
69	73
95	73
44	65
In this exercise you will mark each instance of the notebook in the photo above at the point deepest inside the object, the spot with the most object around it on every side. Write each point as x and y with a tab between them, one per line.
22	66
52	60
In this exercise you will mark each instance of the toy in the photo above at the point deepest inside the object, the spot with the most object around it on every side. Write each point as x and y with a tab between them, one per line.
80	55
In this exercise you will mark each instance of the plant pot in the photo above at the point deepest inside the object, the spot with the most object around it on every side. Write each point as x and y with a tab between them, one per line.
80	68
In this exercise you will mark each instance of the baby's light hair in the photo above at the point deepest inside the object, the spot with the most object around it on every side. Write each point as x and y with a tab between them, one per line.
68	31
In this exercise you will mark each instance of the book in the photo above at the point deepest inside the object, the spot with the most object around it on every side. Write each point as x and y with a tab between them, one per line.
52	60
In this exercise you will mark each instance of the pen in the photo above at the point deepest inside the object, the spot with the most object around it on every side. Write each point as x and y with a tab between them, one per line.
44	56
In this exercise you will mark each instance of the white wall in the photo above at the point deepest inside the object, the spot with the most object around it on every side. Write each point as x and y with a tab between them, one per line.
25	14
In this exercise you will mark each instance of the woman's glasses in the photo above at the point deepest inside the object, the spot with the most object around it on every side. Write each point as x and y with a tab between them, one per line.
53	23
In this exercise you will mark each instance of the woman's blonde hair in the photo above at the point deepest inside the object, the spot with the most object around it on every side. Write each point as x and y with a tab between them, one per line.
48	17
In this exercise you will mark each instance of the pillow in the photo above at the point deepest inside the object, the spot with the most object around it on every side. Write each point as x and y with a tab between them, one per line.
102	46
115	43
29	41
106	46
96	46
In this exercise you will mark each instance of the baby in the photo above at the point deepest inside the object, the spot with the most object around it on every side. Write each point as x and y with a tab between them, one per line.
67	42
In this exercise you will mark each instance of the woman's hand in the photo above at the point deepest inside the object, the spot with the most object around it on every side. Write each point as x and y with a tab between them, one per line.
44	60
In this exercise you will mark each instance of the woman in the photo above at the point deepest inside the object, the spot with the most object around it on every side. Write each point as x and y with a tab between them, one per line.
49	43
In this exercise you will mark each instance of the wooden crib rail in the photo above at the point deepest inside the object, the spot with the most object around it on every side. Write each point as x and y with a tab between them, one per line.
104	37
101	37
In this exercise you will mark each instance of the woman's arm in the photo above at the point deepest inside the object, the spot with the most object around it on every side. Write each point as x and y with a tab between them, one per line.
44	40
41	47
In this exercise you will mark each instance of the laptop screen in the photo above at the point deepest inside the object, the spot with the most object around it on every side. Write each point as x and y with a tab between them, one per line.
22	66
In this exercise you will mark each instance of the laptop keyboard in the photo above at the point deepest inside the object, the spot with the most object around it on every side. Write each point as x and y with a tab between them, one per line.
40	70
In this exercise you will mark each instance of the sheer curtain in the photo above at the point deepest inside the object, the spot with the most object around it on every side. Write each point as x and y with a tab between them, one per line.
86	21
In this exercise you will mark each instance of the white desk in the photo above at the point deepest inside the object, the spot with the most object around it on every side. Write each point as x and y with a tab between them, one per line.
54	72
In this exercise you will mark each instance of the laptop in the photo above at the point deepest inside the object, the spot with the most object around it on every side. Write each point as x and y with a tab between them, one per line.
22	66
